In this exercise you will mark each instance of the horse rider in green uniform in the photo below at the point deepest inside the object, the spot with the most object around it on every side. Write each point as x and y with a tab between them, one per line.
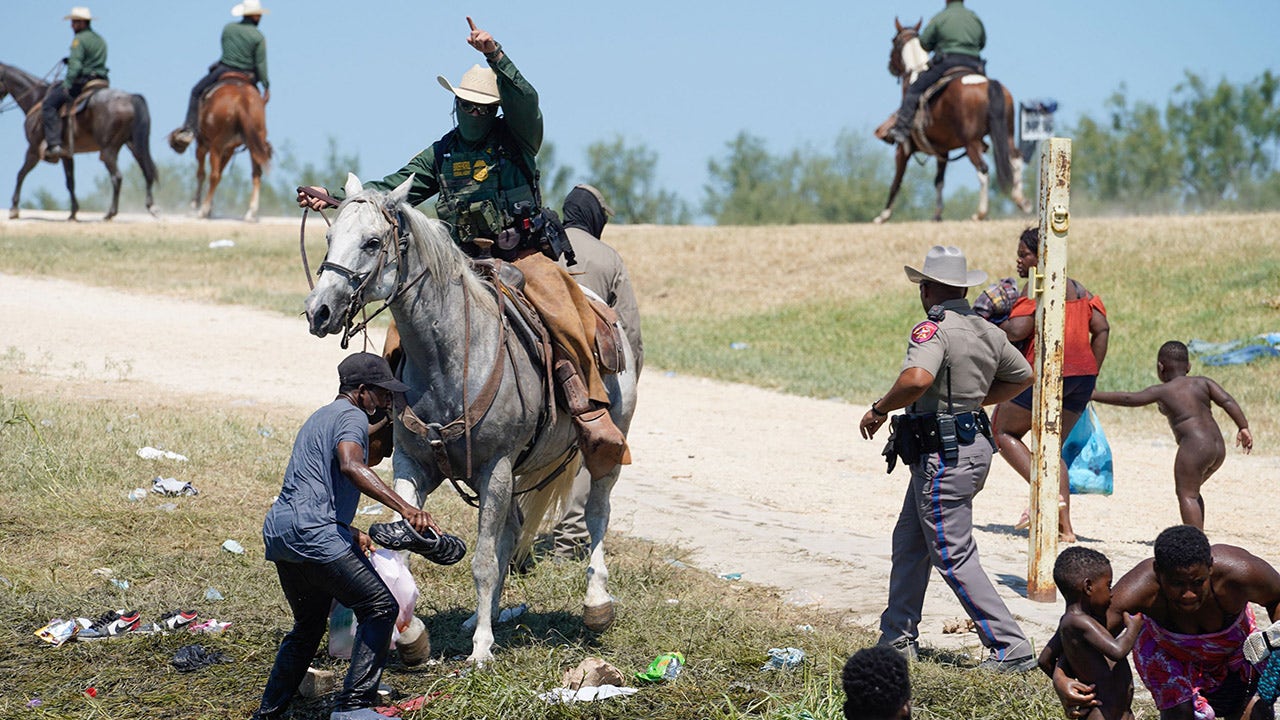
87	61
956	38
483	174
244	49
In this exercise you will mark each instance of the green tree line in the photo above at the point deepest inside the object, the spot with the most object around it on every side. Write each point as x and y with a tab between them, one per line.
1209	147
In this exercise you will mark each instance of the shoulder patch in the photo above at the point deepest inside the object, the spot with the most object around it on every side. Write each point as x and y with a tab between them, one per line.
924	331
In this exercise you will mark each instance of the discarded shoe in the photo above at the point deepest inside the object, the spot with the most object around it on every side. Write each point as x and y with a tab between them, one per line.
175	620
111	624
400	535
1262	643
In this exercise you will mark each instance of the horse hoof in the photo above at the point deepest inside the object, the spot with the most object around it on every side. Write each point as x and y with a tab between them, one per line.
414	644
13	214
599	618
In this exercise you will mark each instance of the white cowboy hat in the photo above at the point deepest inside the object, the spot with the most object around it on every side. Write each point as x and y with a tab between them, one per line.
479	85
249	7
79	13
947	266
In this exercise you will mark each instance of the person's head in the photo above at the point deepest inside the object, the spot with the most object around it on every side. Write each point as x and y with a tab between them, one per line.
877	685
1183	563
584	207
367	381
250	10
475	102
1084	576
1028	250
80	18
945	275
1172	361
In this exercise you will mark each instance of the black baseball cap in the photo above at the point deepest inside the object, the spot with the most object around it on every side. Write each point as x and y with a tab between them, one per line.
368	369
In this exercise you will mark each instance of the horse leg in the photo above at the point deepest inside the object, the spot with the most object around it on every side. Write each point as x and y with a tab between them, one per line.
1016	191
937	186
252	215
597	606
494	544
69	169
33	157
201	152
974	151
901	159
110	157
217	161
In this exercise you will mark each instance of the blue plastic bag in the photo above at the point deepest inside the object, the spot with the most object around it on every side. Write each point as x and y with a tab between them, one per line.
1088	457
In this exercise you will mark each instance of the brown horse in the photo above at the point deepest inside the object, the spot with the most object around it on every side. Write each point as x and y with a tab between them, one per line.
959	117
231	114
110	118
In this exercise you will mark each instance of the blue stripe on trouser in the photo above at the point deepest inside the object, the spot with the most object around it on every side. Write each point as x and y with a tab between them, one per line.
947	568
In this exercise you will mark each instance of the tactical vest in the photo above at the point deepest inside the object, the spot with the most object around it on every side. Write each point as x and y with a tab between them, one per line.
483	190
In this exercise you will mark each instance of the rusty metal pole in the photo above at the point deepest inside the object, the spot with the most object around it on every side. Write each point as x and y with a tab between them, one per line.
1049	288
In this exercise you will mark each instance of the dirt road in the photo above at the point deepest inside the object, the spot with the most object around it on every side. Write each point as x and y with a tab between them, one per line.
778	488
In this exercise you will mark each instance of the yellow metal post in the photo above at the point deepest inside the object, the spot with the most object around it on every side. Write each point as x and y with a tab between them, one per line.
1049	288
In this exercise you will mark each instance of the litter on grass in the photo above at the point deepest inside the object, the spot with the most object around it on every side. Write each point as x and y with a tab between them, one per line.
565	696
137	494
666	666
172	486
212	625
783	659
58	631
150	453
212	595
220	244
232	546
730	576
506	615
190	658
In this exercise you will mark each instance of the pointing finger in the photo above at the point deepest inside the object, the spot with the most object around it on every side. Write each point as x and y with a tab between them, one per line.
471	23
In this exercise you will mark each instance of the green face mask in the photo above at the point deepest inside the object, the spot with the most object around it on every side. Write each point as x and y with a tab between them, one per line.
473	128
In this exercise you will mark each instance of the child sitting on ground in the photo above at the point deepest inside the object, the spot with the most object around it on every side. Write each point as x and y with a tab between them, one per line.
1185	401
1083	641
877	685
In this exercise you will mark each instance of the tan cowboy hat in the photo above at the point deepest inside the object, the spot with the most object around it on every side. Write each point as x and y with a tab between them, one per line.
599	196
249	7
947	266
479	85
79	13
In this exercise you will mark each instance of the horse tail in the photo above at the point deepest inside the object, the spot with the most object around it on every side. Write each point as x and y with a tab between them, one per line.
140	141
998	127
253	124
535	506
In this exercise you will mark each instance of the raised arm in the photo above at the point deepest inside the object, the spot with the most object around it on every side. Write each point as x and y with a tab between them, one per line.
1244	438
1115	648
1129	399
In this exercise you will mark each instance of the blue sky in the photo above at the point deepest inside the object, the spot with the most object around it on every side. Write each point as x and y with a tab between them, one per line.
683	78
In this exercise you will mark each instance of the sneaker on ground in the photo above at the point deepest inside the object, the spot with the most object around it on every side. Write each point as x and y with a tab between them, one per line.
174	620
1026	663
112	624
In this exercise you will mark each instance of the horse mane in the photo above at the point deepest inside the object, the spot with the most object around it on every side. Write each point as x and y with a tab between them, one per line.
33	85
438	252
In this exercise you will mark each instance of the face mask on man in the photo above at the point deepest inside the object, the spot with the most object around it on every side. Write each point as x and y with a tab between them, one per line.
474	121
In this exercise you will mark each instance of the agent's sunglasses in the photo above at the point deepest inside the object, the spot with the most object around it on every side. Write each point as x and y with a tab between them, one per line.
471	108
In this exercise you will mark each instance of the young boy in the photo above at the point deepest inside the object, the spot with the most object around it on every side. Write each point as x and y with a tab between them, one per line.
1095	657
1184	400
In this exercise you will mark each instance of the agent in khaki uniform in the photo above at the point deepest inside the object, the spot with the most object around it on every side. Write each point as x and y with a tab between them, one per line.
87	61
956	363
600	269
484	176
244	49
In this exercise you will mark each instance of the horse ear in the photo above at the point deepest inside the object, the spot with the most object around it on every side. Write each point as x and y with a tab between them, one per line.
353	185
919	23
400	193
897	25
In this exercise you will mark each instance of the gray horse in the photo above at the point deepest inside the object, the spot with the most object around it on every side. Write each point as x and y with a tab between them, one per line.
111	118
452	329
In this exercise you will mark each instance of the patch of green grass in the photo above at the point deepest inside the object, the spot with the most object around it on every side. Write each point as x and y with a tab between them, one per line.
69	463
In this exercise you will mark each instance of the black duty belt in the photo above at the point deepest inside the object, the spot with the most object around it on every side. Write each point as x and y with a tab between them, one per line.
916	435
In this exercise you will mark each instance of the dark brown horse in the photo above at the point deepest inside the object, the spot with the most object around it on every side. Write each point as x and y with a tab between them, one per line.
111	118
959	117
231	114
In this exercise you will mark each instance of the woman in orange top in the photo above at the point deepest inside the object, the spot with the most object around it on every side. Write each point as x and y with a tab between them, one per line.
1085	347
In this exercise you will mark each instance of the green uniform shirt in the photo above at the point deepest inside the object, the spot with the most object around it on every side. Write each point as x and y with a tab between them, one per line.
975	352
954	30
88	58
521	117
244	48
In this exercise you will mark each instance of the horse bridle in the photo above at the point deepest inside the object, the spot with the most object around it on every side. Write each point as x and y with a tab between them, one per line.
900	41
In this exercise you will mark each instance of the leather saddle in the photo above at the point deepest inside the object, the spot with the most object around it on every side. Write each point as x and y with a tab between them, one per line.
82	100
230	77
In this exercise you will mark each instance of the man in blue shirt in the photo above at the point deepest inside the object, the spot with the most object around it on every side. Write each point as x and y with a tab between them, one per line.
319	556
